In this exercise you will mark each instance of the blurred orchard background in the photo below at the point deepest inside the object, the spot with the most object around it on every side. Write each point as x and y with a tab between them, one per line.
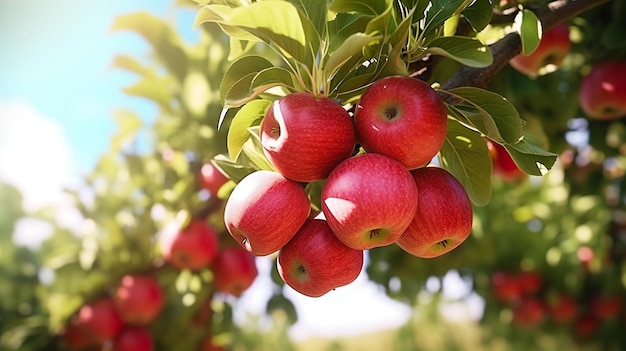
108	112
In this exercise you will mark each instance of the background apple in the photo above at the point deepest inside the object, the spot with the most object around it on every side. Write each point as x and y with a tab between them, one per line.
139	298
529	312
192	247
563	308
505	287
98	320
369	201
234	270
443	219
211	178
403	118
548	56
265	210
605	307
503	165
305	137
530	282
603	91
315	262
134	339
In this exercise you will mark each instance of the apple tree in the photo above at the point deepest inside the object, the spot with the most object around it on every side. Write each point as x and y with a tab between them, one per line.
529	155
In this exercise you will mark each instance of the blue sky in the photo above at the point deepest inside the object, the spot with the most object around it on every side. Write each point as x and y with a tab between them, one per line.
55	56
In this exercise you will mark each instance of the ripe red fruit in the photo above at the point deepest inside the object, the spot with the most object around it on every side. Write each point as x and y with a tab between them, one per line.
505	287
265	210
603	91
139	299
208	345
234	270
98	320
315	262
548	56
305	137
134	339
530	282
585	326
503	165
193	247
75	339
211	178
369	200
402	118
443	219
605	307
529	312
563	308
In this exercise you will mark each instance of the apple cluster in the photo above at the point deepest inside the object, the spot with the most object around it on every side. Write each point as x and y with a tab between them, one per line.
377	187
533	304
196	246
119	319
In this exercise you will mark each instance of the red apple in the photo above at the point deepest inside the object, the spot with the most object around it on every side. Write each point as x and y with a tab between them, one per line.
585	326
503	165
443	219
234	270
75	339
548	56
369	200
605	307
529	312
402	118
211	178
305	137
265	210
98	320
208	345
603	91
315	262
192	247
134	339
530	282
563	308
139	298
505	287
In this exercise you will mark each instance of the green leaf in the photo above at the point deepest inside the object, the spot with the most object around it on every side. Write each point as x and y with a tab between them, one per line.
489	113
316	11
439	12
235	170
531	158
253	150
160	35
530	31
351	50
153	88
272	77
244	69
365	7
132	65
478	14
343	26
465	155
275	22
468	51
249	115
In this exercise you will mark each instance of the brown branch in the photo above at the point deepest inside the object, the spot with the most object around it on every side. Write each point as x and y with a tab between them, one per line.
509	46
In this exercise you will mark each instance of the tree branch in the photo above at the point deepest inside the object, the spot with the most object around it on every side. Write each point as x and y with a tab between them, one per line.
509	46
